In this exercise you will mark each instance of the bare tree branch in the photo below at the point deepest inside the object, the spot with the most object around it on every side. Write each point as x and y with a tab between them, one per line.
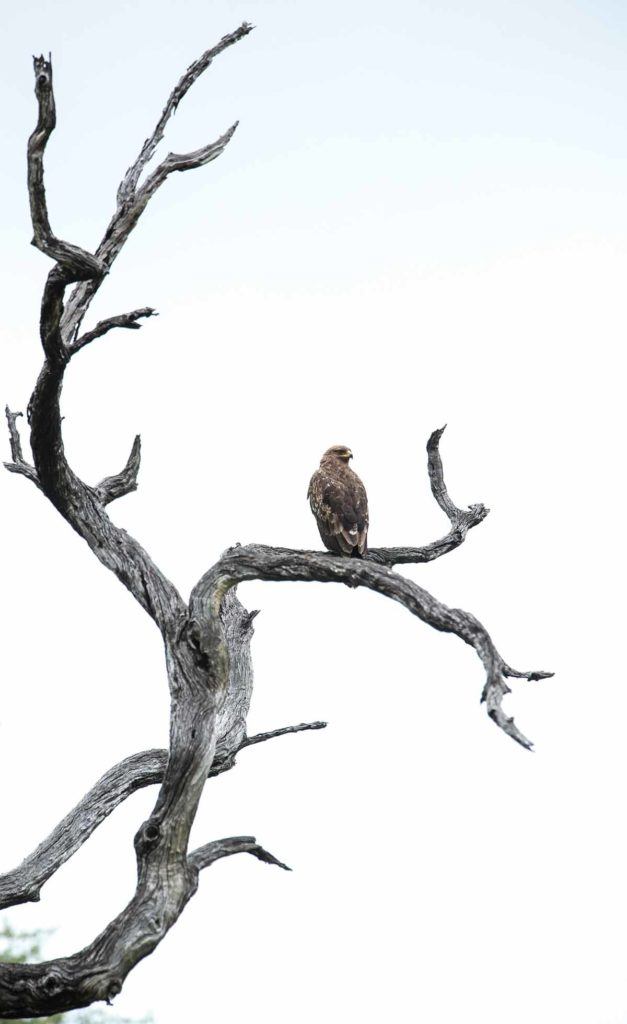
19	982
182	162
131	199
226	761
436	476
131	178
14	437
461	520
206	855
113	487
79	263
19	463
287	730
165	881
24	883
127	320
259	562
79	504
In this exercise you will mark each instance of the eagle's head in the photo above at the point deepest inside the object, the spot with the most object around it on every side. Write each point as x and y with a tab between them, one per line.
337	453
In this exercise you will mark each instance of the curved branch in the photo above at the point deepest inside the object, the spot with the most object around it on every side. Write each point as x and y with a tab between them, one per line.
436	476
206	855
43	988
259	562
165	881
113	487
82	265
24	883
80	505
182	162
461	520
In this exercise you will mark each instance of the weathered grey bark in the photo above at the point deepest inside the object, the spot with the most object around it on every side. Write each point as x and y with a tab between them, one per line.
206	640
24	883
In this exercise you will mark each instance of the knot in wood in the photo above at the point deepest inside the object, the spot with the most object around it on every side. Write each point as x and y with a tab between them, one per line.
151	832
114	988
148	836
51	984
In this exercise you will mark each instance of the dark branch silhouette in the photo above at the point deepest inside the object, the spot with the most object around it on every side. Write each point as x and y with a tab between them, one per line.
127	320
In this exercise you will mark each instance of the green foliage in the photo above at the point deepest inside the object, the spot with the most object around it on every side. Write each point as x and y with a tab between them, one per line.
25	947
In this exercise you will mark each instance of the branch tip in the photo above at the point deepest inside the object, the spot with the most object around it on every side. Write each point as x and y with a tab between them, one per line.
113	487
128	192
261	562
18	463
14	437
268	858
126	320
206	855
287	730
461	520
434	437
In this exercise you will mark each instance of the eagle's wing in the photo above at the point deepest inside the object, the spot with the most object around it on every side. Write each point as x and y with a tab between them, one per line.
359	509
340	506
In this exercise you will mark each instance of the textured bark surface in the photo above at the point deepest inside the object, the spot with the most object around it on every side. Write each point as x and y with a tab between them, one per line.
206	640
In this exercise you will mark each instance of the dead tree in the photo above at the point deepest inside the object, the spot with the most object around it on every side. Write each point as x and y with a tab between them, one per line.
206	639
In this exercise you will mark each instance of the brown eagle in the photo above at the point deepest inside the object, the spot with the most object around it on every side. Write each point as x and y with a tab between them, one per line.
339	503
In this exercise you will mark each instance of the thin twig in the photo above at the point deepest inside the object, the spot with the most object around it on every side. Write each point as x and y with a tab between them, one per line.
19	463
127	320
208	854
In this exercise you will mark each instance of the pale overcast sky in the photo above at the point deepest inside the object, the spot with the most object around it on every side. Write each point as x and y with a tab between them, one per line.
421	219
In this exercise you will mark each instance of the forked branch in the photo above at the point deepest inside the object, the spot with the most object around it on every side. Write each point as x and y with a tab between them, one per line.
132	198
194	71
260	562
24	883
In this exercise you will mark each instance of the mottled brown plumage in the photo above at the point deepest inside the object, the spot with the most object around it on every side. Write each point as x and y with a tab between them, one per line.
338	501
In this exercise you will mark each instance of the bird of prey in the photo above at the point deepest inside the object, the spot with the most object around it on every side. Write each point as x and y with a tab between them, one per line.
339	503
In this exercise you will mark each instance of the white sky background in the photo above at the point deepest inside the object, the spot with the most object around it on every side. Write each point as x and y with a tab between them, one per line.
421	219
